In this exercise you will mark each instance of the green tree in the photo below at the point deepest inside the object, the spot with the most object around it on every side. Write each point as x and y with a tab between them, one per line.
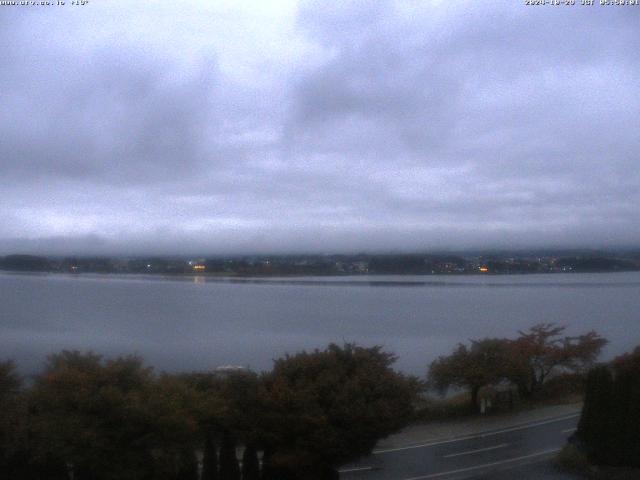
325	408
595	426
626	410
610	417
12	421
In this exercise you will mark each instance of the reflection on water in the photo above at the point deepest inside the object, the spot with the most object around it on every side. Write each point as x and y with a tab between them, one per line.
201	322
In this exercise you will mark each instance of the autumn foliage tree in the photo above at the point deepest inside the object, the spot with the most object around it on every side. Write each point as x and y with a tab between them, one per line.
542	350
473	367
527	362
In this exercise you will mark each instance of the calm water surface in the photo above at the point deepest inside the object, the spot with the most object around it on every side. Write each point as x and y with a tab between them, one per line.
196	323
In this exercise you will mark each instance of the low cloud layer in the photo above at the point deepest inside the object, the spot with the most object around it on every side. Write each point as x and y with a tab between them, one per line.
275	126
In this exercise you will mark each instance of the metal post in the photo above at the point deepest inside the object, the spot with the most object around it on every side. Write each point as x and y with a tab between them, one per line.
239	453
200	460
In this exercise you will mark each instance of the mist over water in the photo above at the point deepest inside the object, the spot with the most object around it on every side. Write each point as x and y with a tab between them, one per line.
196	323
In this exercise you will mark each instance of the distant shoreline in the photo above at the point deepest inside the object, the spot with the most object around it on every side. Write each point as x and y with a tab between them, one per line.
361	280
336	265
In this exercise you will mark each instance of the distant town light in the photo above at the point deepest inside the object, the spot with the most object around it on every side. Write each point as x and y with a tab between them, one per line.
484	269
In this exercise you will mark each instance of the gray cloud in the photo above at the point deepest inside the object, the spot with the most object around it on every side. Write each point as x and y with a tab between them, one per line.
367	125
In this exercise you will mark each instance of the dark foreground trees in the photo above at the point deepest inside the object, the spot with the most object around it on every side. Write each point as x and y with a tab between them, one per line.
329	407
89	418
526	362
609	427
12	420
110	419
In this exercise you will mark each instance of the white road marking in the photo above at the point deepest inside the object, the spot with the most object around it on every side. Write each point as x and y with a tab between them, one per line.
485	465
477	435
502	445
568	430
355	469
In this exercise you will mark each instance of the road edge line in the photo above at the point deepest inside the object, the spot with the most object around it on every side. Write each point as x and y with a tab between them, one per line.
485	465
486	433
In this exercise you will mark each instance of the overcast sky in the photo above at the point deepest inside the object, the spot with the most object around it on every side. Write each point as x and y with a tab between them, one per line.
184	126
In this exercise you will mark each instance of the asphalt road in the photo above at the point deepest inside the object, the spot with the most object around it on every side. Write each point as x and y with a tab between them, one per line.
479	455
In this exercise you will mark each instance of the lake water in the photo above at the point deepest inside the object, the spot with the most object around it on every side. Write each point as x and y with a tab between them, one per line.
196	323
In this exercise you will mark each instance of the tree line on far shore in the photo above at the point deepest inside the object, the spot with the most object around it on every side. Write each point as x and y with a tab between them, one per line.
86	417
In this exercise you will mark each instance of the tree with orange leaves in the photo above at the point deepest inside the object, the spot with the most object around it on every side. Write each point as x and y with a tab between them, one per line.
541	351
